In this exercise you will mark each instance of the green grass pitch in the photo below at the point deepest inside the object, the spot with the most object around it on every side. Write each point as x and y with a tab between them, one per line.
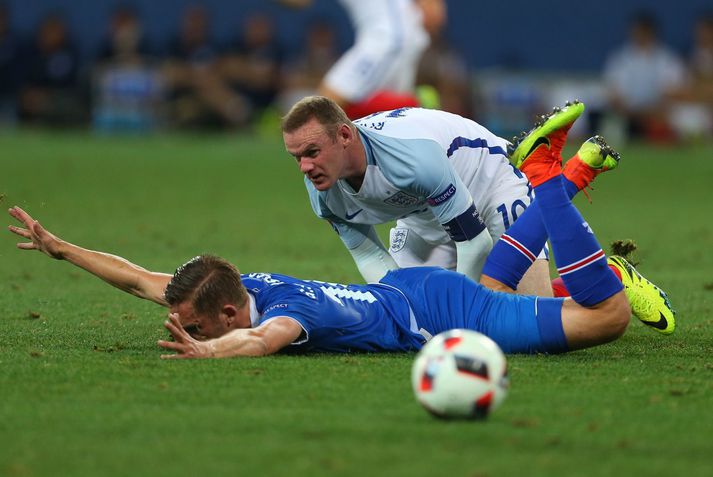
84	393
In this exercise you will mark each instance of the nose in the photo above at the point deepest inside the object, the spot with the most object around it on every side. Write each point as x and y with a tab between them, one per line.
306	165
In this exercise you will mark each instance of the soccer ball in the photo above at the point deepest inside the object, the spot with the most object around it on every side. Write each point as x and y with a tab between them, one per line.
460	374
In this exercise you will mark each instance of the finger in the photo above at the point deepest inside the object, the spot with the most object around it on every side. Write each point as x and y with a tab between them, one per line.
19	231
172	345
176	322
21	215
174	356
13	211
179	334
37	228
27	246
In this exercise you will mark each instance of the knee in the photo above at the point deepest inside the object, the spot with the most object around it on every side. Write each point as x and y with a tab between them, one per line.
618	315
494	284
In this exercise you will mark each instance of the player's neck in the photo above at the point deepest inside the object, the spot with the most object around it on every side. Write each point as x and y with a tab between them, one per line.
242	319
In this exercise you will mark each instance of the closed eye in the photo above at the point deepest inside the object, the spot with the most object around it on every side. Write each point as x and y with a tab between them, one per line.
194	330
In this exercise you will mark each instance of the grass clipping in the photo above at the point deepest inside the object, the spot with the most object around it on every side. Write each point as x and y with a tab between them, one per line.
626	249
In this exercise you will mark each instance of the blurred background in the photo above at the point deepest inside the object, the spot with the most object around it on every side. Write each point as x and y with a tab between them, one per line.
643	67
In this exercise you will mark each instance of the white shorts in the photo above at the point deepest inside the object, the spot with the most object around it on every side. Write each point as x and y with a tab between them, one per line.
390	39
419	240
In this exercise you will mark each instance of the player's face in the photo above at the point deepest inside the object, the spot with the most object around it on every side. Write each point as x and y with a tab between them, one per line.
199	326
320	158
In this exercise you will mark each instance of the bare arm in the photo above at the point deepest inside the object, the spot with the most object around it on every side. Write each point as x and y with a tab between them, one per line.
114	270
263	340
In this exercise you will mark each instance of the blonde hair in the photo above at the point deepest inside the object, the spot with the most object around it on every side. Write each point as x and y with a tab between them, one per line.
324	110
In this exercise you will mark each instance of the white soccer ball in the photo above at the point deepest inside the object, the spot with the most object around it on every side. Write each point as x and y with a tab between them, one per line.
460	374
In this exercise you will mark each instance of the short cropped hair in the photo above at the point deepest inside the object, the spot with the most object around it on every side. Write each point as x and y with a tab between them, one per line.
324	110
208	283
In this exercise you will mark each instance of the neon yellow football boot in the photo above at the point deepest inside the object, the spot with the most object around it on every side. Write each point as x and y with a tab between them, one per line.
538	153
648	302
593	157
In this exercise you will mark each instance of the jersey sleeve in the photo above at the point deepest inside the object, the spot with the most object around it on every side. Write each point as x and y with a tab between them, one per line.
298	306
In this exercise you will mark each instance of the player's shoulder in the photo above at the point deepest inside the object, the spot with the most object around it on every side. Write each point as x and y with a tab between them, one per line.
271	286
411	123
409	145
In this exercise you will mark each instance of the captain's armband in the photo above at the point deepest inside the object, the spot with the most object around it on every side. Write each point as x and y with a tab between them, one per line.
466	226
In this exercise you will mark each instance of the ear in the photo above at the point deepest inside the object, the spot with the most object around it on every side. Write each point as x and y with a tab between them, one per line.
229	315
345	134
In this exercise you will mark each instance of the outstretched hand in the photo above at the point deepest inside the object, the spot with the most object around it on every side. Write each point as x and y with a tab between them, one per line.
184	344
40	239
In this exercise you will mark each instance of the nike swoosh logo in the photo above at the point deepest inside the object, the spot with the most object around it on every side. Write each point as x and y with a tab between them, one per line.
349	216
659	325
538	142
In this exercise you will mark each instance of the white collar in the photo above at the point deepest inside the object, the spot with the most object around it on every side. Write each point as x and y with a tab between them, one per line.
254	315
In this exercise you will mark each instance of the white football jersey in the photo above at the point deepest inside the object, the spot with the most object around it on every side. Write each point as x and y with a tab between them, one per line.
420	163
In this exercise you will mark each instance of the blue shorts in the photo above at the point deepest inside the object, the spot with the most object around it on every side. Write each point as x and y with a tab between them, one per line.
443	300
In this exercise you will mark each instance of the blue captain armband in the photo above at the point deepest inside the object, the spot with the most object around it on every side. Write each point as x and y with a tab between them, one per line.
466	226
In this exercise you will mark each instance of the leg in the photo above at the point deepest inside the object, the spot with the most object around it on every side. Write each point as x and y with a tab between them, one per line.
536	280
511	258
505	209
595	325
601	311
442	300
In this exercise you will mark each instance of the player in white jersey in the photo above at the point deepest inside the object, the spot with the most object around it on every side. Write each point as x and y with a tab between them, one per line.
444	178
379	71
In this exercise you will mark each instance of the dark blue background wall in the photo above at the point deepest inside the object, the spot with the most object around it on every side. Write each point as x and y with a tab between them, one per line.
553	34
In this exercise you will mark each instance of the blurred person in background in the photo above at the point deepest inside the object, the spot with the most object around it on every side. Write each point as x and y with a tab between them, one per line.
127	86
640	76
378	72
693	115
10	68
125	42
701	62
199	96
444	69
50	92
252	65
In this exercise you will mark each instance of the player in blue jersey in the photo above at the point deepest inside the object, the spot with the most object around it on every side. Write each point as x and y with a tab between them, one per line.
215	312
446	180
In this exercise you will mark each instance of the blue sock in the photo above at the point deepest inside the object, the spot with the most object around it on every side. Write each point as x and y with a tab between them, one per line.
520	245
580	260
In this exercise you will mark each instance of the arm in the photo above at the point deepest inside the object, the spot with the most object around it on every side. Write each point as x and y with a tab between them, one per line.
473	242
114	270
473	253
371	257
263	340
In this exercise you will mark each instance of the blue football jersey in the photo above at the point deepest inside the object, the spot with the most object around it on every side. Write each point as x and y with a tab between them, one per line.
336	317
405	309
